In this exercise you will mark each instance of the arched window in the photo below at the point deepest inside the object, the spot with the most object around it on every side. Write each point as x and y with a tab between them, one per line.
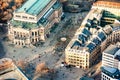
32	33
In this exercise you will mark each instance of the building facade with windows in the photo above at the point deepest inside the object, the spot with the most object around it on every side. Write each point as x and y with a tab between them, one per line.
111	63
85	55
111	57
84	46
31	22
91	39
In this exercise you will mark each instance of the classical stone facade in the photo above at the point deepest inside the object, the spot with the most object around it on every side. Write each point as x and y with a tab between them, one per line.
31	24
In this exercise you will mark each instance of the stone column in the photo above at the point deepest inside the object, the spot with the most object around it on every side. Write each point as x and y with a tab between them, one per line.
42	35
10	33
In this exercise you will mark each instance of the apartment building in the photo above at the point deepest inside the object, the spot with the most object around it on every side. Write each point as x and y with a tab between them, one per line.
91	39
111	63
115	37
85	43
86	54
31	22
110	57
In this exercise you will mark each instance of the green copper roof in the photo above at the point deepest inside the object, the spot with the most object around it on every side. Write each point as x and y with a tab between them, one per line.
27	25
33	7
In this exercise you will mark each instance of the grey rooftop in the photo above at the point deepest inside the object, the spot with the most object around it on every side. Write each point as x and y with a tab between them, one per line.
112	49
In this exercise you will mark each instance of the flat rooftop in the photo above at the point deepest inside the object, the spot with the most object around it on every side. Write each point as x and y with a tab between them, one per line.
12	75
112	72
115	26
112	49
33	7
9	71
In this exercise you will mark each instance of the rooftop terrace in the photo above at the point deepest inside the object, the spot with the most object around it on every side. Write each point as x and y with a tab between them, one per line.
34	7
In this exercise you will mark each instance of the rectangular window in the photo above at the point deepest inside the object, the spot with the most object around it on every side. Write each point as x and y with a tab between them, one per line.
31	18
24	17
18	16
15	32
32	40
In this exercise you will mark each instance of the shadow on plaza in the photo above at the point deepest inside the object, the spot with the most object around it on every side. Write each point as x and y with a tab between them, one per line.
2	50
3	31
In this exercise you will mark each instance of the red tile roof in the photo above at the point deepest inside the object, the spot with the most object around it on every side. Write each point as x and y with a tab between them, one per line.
107	3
